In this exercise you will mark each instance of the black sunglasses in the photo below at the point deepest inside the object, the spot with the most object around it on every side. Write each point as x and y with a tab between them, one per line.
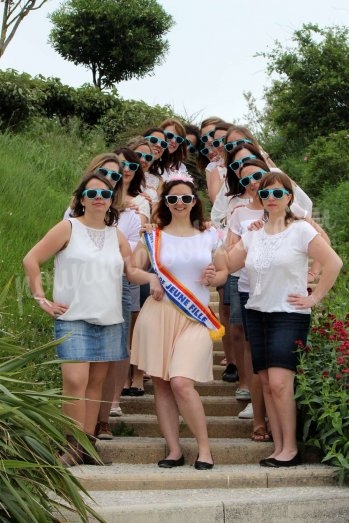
231	145
171	136
256	176
205	137
237	163
190	146
154	140
114	175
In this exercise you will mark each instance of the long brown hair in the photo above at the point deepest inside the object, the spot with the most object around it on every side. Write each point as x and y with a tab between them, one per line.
163	215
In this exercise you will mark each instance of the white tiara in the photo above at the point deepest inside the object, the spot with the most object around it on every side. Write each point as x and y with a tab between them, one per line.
181	176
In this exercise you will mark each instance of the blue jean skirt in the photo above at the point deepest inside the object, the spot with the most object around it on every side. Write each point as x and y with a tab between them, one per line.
273	336
89	342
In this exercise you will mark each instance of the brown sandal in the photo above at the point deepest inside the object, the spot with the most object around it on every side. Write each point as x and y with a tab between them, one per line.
261	435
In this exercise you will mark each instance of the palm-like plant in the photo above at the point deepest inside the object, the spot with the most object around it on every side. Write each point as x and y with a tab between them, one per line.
34	486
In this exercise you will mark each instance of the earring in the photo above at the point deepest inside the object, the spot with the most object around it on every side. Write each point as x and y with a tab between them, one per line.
83	209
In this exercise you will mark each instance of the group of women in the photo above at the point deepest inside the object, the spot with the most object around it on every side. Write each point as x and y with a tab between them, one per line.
101	261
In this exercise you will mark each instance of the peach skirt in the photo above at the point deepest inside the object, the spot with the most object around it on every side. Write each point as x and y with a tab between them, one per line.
165	343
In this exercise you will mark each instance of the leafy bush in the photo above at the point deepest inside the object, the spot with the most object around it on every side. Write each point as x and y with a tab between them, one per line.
327	163
322	391
131	118
333	205
34	486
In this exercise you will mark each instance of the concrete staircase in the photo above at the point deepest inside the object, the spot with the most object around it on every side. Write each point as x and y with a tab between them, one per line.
135	490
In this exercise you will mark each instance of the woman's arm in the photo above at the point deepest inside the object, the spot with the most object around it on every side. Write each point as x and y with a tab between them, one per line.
214	183
236	257
54	241
133	267
331	265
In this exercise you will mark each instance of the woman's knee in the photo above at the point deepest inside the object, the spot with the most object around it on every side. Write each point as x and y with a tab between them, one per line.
181	387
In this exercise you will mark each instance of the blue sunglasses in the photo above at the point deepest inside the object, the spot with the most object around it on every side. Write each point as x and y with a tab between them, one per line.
172	136
114	175
92	194
256	176
231	145
234	166
277	193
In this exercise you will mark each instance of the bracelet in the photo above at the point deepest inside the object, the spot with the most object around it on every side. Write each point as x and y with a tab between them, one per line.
41	300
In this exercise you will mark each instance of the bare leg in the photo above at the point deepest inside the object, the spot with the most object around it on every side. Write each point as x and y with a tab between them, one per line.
113	382
227	340
75	379
192	410
237	338
167	414
272	414
281	382
97	375
255	388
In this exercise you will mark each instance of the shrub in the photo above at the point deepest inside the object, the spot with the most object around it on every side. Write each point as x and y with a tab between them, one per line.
322	390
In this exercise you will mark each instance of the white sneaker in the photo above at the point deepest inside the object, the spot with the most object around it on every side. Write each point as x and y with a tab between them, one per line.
116	411
247	413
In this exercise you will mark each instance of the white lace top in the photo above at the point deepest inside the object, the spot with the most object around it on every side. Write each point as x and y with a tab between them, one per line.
277	266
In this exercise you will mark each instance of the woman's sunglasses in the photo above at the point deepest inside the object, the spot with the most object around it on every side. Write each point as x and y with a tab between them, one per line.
114	175
231	145
172	136
277	193
92	194
205	137
234	166
218	142
256	176
146	156
132	166
205	151
172	199
190	146
154	140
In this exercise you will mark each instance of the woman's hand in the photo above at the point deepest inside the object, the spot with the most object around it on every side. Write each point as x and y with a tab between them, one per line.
156	289
51	308
208	275
255	226
302	302
148	227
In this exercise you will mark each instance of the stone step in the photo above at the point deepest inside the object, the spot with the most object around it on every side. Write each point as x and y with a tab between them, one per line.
269	504
218	355
213	388
146	425
124	477
224	405
225	451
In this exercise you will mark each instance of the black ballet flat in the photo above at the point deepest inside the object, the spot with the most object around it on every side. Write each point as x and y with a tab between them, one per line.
135	391
171	463
202	465
276	463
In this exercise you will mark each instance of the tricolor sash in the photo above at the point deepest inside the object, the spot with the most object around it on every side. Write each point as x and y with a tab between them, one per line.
179	295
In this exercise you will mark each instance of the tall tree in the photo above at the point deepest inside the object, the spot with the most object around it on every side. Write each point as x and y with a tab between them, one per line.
310	95
115	39
12	15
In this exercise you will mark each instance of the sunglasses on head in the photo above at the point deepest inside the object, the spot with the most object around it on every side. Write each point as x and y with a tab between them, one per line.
256	176
172	199
154	140
132	166
218	142
190	146
91	194
114	175
231	145
146	156
205	137
234	166
173	136
277	193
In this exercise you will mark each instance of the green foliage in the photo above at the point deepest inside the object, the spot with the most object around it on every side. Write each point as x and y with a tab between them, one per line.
333	205
130	118
34	486
116	39
322	391
310	96
327	163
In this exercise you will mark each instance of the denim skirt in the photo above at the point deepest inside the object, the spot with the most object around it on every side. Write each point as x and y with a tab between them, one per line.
89	342
273	337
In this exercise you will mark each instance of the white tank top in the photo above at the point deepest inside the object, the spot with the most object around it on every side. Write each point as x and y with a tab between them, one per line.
88	275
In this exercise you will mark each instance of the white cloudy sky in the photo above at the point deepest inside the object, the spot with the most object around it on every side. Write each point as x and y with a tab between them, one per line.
212	46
